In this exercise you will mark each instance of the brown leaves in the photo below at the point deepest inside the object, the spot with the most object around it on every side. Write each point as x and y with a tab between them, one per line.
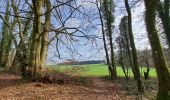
97	89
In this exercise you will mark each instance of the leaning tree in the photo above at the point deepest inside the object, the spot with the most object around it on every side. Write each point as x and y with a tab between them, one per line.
158	56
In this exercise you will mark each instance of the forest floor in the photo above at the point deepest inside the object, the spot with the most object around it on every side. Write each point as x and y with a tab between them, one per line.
12	87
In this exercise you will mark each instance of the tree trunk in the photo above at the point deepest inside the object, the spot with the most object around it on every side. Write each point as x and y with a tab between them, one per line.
121	60
114	73
134	53
21	58
44	46
5	41
8	54
163	10
36	39
104	39
129	52
108	4
158	56
146	74
4	47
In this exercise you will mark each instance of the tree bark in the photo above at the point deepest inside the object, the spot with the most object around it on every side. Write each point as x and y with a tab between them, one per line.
5	38
158	56
163	10
44	46
103	36
109	20
36	40
129	52
104	39
134	53
121	59
114	72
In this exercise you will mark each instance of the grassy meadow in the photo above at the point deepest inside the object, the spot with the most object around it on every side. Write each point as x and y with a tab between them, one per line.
95	70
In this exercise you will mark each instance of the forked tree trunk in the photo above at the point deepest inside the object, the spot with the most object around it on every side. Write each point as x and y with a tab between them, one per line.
35	53
39	47
158	56
21	56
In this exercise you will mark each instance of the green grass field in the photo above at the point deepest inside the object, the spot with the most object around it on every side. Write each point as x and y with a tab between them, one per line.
95	70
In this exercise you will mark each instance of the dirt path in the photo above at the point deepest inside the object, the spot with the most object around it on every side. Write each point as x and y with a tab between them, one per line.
107	88
11	88
110	88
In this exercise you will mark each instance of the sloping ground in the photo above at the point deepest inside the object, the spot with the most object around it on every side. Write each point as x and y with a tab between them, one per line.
8	80
12	88
130	88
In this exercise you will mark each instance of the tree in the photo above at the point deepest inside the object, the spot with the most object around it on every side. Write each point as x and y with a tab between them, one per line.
121	57
6	40
104	37
158	56
36	39
107	11
44	43
163	10
134	53
39	43
21	55
125	54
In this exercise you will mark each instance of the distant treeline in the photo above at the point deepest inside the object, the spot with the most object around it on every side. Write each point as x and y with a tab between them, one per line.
83	62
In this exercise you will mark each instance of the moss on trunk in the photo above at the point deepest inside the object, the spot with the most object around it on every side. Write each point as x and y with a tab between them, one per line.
135	68
35	61
158	56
